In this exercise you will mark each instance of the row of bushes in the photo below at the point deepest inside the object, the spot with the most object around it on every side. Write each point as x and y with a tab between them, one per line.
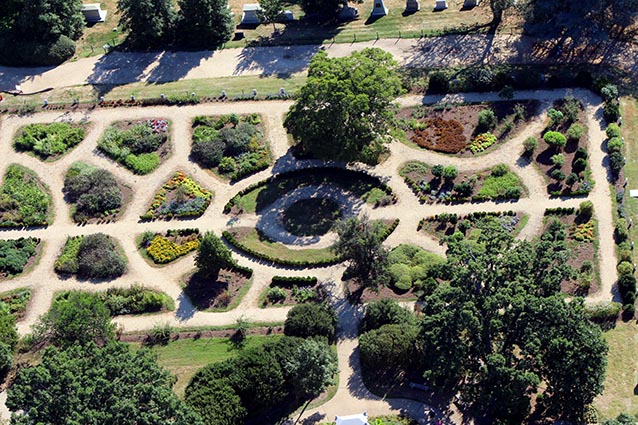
292	280
559	211
333	171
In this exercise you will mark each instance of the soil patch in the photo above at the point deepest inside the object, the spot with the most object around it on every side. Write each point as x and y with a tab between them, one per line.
218	293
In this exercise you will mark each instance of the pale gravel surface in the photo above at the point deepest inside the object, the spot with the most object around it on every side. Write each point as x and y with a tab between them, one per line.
349	399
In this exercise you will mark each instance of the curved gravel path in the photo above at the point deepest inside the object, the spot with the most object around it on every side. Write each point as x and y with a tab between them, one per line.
351	396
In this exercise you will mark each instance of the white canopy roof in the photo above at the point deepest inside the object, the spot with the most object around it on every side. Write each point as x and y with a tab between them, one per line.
360	419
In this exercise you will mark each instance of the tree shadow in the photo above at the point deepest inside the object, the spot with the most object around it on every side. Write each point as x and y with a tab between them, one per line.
185	309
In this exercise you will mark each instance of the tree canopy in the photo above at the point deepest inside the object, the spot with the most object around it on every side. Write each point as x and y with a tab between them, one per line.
212	255
204	24
91	384
499	328
344	108
150	22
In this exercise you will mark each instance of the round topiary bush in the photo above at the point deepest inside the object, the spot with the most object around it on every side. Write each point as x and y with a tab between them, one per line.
555	139
625	268
308	320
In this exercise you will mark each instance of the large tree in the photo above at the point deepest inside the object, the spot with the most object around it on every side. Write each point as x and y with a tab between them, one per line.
78	318
205	24
270	11
149	22
345	106
360	242
47	20
499	328
212	255
97	385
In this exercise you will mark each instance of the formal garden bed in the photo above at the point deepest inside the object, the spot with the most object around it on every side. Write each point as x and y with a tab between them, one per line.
95	194
49	142
466	129
311	217
260	195
434	184
139	145
164	248
411	271
581	235
24	200
230	145
255	243
180	197
96	256
129	301
18	256
17	300
560	151
470	226
221	292
284	291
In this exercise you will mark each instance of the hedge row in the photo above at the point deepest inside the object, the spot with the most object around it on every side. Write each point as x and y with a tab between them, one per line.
230	238
603	312
291	281
453	217
560	211
334	171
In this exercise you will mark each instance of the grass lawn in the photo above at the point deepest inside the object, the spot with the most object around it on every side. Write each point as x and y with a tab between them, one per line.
622	372
97	35
629	108
184	357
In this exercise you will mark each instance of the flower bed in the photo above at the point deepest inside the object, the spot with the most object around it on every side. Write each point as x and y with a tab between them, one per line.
231	145
24	199
218	293
163	249
470	226
15	254
96	256
285	290
133	300
138	145
181	196
49	141
17	300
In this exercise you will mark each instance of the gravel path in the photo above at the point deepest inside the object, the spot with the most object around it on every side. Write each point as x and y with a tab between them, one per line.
352	395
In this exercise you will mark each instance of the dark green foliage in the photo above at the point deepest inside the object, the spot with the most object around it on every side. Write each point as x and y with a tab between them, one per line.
261	384
204	24
98	257
357	92
208	153
75	318
325	8
615	144
15	253
23	199
94	191
360	242
6	358
133	300
529	145
391	349
90	385
438	83
39	32
616	162
46	140
385	312
499	328
486	121
555	140
627	287
212	255
149	22
611	112
8	331
309	320
612	130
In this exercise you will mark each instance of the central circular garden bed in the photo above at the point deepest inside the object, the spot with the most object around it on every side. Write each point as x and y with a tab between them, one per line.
311	217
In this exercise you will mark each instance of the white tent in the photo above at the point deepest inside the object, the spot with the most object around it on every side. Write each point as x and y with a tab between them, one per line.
359	419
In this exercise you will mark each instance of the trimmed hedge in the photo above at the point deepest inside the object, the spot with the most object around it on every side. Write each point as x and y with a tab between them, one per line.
332	171
133	300
291	281
560	211
226	235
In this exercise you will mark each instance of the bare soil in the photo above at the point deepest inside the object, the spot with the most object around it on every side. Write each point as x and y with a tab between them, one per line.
208	293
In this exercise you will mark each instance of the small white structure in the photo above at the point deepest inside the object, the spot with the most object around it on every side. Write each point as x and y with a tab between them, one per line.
440	5
633	193
250	15
93	13
468	4
412	6
379	8
360	419
287	16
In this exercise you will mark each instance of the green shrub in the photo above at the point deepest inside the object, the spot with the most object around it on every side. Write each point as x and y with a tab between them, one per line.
611	112
586	209
555	139
579	165
500	170
625	268
449	172
621	230
385	312
6	358
142	164
558	175
558	159
67	261
612	130
529	145
390	349
555	116
486	121
609	92
616	162
498	187
93	190
438	83
276	294
309	320
410	265
14	255
615	144
575	132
